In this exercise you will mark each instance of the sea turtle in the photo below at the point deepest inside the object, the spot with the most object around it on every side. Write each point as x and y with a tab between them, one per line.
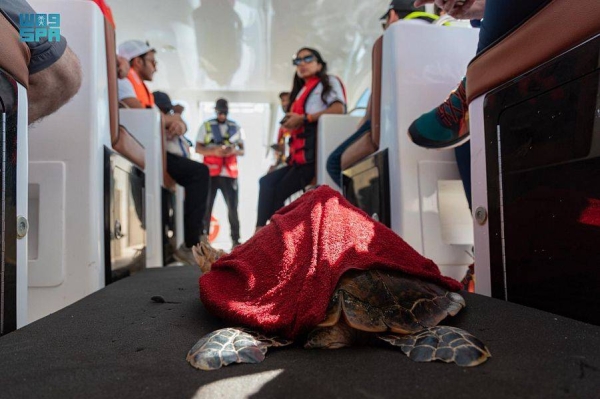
386	305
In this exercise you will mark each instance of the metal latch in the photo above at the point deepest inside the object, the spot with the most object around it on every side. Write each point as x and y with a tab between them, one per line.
22	227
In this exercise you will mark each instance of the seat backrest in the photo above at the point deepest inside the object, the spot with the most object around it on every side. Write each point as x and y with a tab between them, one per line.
122	141
130	148
168	181
111	69
14	54
559	26
376	91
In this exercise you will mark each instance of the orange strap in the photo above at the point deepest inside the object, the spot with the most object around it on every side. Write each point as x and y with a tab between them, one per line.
106	11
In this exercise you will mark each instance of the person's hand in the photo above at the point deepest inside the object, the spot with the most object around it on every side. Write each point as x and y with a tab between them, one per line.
294	121
178	109
175	128
220	151
459	9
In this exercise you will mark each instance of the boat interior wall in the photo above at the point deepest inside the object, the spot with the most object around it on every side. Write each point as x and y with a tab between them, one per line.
13	175
416	82
145	126
14	58
22	160
333	130
74	136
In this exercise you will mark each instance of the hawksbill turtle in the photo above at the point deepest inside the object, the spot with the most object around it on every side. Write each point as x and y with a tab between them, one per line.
390	306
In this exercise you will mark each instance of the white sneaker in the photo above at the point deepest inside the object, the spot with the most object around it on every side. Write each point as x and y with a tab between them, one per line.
185	255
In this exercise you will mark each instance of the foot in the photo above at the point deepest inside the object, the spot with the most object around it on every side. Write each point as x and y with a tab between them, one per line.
468	282
184	254
446	126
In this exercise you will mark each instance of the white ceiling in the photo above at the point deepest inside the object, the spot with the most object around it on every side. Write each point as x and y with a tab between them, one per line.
246	46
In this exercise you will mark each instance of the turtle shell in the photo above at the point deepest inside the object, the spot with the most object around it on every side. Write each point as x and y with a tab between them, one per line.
380	301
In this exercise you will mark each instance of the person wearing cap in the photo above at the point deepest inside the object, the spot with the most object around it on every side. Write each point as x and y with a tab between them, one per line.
192	175
55	73
396	11
221	141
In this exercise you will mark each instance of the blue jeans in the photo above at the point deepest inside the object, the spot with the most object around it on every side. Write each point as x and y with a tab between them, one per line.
334	161
502	16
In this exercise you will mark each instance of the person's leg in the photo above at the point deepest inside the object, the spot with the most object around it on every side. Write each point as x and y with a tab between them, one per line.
295	180
446	126
266	195
214	187
194	177
230	193
502	16
334	160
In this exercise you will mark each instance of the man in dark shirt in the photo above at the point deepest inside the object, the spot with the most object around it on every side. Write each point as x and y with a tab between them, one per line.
54	70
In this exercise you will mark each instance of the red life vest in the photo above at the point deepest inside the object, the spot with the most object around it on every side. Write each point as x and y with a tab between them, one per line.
216	164
303	139
141	91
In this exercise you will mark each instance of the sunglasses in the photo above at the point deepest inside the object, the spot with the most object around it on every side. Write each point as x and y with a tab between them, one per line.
307	60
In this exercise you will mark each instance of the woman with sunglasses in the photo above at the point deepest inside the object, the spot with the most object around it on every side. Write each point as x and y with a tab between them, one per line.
314	93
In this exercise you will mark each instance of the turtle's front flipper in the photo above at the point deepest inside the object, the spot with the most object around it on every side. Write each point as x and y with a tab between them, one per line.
205	256
226	346
448	344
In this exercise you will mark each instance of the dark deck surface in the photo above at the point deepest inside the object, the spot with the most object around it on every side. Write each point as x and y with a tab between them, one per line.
117	343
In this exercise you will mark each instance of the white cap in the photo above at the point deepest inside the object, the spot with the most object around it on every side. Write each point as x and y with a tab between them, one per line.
133	48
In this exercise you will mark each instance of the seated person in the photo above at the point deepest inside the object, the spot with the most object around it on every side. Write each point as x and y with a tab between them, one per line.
54	70
282	136
192	175
314	93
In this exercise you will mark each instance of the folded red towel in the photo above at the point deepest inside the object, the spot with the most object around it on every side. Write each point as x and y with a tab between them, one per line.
281	280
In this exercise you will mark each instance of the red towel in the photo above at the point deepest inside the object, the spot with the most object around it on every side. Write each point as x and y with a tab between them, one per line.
281	280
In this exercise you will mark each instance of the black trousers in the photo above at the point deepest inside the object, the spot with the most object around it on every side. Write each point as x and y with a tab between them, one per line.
277	186
229	189
194	178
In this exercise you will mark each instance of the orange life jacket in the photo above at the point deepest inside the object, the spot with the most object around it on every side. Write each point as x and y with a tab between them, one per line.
141	91
216	164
